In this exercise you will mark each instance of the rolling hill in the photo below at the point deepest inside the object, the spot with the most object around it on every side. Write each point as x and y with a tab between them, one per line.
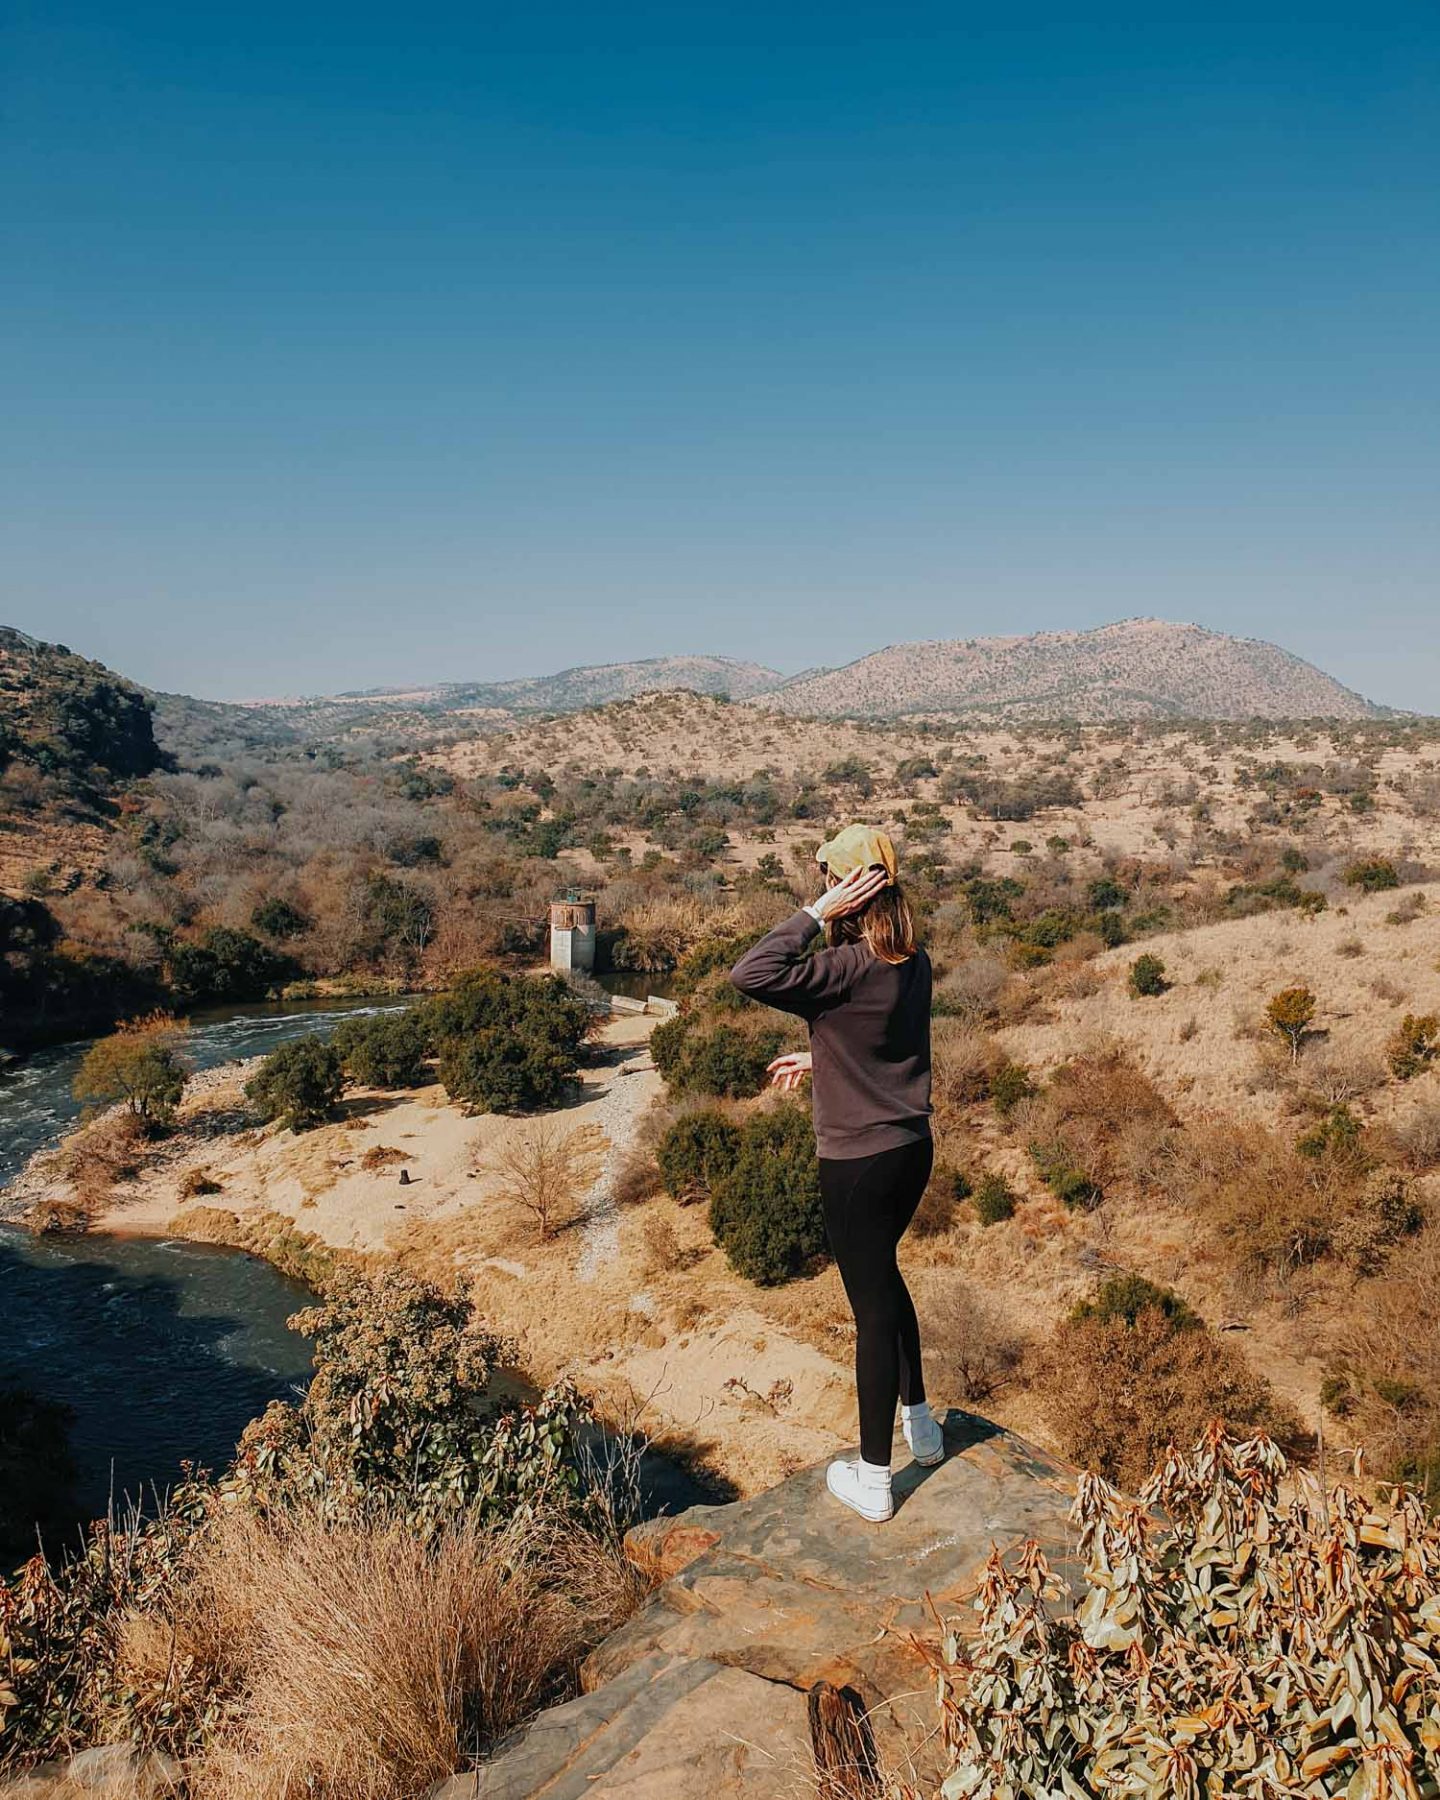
591	685
1136	669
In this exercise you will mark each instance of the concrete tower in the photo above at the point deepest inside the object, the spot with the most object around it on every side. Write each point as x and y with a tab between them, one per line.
572	932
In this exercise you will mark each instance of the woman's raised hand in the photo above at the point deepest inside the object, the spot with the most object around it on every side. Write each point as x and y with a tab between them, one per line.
787	1072
857	890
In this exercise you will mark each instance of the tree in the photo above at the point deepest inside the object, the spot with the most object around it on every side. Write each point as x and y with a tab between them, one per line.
1290	1015
279	918
300	1083
544	1168
1372	874
139	1066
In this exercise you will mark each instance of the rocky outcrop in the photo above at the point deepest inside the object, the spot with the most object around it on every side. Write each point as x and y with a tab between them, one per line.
703	1694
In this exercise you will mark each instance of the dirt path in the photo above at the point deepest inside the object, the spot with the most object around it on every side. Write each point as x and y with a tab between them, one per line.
617	1113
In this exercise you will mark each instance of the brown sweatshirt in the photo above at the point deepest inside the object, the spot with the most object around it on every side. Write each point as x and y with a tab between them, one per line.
869	1034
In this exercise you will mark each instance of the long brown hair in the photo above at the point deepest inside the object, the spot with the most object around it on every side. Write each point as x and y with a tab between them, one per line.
886	925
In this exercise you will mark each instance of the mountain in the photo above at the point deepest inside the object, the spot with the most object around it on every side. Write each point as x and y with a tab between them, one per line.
1136	669
591	685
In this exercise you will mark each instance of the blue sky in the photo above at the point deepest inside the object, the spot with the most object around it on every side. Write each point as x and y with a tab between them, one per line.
343	346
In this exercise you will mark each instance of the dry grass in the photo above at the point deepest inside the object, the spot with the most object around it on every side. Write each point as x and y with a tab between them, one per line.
362	1664
970	1353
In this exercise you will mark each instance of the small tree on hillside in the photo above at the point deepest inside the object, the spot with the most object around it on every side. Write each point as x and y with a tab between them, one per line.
1290	1015
543	1169
138	1066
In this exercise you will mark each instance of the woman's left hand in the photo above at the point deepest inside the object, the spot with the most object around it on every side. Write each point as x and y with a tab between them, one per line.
787	1072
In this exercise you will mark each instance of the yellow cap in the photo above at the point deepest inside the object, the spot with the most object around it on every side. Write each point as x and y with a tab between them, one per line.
858	847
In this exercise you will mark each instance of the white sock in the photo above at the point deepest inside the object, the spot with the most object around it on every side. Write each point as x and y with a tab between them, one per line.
873	1474
920	1411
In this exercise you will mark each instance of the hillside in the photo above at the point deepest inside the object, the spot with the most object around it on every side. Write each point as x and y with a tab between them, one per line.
69	718
591	685
1136	669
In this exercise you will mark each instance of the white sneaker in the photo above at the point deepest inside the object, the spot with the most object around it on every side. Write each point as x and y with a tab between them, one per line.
863	1487
924	1436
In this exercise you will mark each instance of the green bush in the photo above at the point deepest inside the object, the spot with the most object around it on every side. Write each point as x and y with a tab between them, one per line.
765	1211
1414	1046
278	918
1009	1085
696	1055
1064	1178
695	1152
386	1050
227	966
1127	1296
1372	874
1147	976
300	1083
994	1200
506	1043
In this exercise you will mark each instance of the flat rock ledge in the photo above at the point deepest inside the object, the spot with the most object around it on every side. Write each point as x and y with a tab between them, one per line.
703	1694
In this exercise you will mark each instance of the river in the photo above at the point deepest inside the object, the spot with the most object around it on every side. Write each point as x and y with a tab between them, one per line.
162	1349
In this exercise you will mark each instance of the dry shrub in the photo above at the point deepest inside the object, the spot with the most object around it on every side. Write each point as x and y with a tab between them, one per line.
1107	1115
1340	1075
1416	1136
544	1168
972	991
963	1060
1385	1212
970	1352
1117	1394
382	1156
363	1664
197	1183
104	1154
1272	1210
1389	1351
661	1245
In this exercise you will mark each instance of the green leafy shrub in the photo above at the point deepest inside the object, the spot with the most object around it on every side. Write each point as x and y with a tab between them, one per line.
300	1083
698	1055
281	919
1065	1179
386	1050
765	1211
1009	1085
227	966
1414	1046
1126	1296
1372	874
994	1200
1337	1137
695	1152
1044	1700
1147	976
507	1043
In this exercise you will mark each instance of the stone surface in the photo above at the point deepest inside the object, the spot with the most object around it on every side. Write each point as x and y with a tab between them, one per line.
796	1589
106	1772
702	1695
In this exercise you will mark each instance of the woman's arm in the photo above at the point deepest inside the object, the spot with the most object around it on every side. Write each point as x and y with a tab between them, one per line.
778	972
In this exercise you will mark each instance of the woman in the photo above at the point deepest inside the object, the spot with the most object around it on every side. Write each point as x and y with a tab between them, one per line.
866	1000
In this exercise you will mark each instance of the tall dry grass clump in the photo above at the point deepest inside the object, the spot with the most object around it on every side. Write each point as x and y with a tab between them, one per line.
360	1663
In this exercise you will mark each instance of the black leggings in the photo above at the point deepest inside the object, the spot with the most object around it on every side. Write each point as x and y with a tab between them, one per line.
868	1202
